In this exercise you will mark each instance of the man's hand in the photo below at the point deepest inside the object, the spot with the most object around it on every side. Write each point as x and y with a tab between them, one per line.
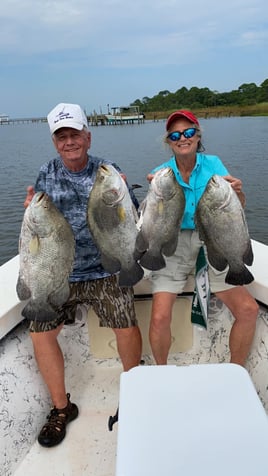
29	196
150	177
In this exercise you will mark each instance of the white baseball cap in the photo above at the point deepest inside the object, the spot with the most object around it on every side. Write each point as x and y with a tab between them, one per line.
66	115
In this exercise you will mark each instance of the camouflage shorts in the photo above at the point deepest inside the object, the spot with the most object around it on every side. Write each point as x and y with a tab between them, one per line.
112	304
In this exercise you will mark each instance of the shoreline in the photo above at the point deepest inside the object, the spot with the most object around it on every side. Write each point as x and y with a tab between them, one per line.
215	112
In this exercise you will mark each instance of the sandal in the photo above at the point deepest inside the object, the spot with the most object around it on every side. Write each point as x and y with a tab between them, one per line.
112	420
54	431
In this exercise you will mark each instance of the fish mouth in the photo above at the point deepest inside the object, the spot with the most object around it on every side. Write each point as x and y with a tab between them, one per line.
215	181
40	199
228	197
113	193
105	170
166	171
156	186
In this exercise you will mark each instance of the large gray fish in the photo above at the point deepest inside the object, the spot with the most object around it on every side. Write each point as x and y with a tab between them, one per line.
222	225
112	221
161	215
46	249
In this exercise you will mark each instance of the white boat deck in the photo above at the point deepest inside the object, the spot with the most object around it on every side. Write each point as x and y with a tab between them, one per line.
89	448
93	376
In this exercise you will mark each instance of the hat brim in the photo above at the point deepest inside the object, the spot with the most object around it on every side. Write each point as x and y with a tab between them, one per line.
66	123
178	115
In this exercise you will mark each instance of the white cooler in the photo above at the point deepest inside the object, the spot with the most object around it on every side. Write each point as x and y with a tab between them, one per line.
191	421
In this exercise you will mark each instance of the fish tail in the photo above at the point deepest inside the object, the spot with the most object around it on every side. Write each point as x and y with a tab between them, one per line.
239	277
36	311
130	277
152	262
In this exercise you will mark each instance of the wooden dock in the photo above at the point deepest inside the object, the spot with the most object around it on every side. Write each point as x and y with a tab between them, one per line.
119	116
93	120
22	120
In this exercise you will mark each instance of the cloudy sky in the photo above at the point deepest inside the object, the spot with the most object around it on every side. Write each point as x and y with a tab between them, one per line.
99	52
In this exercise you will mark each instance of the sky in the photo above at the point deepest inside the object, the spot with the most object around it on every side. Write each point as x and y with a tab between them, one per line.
111	52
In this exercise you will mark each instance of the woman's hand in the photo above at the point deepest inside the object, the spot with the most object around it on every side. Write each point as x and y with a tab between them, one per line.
236	184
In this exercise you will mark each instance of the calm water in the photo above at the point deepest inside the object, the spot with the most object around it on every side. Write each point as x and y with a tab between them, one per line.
242	144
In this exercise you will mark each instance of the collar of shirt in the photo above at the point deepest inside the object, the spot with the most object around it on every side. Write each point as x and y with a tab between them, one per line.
192	175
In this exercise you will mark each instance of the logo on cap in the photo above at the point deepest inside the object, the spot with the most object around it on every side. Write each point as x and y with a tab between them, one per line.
62	115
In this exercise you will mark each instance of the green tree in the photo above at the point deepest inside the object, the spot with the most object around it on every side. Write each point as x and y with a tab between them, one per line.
246	94
263	91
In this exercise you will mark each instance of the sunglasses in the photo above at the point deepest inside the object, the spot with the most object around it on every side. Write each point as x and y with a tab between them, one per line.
187	133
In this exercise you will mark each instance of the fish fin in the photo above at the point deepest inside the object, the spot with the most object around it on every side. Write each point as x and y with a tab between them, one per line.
217	261
142	243
138	254
135	214
152	262
248	256
239	277
132	276
142	206
215	258
160	207
36	311
109	264
121	213
60	296
34	245
139	221
201	230
22	289
170	247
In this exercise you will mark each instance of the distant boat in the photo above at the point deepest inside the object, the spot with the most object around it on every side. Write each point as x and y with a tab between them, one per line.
125	114
4	118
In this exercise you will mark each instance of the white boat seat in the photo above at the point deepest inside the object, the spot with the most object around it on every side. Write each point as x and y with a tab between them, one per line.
200	419
10	305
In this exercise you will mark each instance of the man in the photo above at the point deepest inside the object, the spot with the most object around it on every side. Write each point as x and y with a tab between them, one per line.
68	180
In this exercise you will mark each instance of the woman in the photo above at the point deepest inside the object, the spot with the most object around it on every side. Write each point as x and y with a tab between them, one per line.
193	169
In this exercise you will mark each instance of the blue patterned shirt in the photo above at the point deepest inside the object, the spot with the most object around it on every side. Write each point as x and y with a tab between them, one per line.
205	167
69	191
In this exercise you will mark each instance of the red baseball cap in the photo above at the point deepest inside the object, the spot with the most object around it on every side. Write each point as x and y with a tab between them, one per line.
182	113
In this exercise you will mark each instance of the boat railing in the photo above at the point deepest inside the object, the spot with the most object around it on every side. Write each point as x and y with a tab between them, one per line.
11	306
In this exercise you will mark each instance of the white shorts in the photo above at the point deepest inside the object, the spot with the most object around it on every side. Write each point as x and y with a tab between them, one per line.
182	264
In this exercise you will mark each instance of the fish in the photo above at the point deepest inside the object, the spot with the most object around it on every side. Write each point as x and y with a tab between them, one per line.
112	219
161	213
46	256
221	222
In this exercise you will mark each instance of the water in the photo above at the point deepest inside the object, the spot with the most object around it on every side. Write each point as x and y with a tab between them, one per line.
242	144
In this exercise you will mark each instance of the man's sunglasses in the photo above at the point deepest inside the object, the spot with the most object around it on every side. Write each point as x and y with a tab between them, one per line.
187	133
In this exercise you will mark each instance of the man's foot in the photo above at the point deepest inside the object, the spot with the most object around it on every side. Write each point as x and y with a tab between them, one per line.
54	431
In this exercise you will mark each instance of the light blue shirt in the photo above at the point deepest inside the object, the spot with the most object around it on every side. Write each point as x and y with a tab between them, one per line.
205	167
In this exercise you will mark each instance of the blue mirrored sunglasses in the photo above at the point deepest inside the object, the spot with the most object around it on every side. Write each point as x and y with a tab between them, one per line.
187	133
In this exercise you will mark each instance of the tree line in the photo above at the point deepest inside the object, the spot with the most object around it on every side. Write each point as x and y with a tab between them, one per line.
247	94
